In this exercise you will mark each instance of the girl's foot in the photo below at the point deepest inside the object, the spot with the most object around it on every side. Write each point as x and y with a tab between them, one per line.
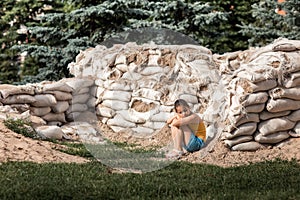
174	154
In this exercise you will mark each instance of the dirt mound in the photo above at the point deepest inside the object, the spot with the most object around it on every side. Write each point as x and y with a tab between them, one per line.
15	147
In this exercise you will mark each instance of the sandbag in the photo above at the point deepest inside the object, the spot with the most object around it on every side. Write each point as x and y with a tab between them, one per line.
80	98
244	129
237	140
39	111
55	117
247	146
7	90
19	99
56	86
290	93
268	115
293	81
264	85
51	132
255	98
44	100
61	96
279	105
115	104
273	138
294	116
252	117
148	94
105	111
256	108
60	107
116	95
118	120
275	125
77	108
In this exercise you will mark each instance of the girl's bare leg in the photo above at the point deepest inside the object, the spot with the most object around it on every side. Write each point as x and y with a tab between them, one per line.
181	136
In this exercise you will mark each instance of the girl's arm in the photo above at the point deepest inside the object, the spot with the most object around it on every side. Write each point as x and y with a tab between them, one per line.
171	119
193	118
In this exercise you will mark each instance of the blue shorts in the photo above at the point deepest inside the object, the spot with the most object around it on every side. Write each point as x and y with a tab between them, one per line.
194	144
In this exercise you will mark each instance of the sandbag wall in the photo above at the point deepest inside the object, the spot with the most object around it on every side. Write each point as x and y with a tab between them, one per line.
137	85
55	102
263	88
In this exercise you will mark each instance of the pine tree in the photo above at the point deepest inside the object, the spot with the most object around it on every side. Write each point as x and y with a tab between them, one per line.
60	36
270	25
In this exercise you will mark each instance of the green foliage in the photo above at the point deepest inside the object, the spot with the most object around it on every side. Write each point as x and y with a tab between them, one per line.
269	25
181	180
21	126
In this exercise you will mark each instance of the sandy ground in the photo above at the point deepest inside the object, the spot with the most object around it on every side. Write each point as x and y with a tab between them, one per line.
15	147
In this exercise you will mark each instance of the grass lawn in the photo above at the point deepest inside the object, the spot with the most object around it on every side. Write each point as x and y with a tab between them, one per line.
180	180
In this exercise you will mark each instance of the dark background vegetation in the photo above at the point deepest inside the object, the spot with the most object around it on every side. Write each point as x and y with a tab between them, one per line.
52	32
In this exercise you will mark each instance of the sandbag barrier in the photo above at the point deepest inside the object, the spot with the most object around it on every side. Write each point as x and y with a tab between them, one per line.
263	87
56	103
250	98
137	85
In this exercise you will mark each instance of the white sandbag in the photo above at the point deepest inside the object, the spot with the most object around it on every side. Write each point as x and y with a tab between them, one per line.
56	86
149	71
116	95
251	117
268	115
55	117
290	93
83	90
271	138
279	105
105	111
292	81
93	90
148	94
118	120
284	45
80	98
19	99
122	84
244	129
78	107
189	98
117	129
61	106
264	85
120	59
7	90
294	116
122	67
132	116
237	140
160	117
252	76
255	98
115	104
142	131
296	129
39	111
61	96
275	125
247	146
91	103
51	132
78	83
44	100
154	125
256	108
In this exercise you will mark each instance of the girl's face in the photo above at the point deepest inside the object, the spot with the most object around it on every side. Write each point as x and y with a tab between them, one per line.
183	111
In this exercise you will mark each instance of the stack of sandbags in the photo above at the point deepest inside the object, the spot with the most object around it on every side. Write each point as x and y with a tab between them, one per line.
82	103
137	85
54	102
263	95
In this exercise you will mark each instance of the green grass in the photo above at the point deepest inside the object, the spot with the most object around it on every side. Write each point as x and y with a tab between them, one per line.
180	180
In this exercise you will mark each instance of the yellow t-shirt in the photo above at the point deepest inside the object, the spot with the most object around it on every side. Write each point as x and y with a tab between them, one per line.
199	130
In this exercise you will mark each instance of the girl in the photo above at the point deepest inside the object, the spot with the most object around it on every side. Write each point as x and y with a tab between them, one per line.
188	130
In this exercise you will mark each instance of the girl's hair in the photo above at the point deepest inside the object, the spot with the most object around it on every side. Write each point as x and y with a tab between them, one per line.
180	102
